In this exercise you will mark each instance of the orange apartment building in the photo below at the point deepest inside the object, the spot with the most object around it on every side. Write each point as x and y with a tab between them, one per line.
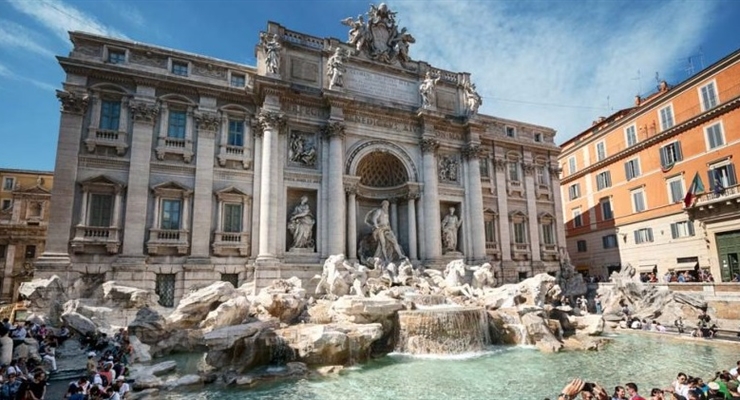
626	177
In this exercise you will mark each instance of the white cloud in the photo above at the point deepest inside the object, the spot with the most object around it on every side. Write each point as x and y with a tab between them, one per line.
128	12
60	18
555	63
5	72
16	36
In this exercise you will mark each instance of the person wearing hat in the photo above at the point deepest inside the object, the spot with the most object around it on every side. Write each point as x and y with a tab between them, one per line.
714	392
122	387
10	388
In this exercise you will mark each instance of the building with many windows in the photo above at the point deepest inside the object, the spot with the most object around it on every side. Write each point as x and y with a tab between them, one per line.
175	169
626	179
24	215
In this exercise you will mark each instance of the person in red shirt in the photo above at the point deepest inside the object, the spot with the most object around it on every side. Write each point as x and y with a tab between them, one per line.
632	392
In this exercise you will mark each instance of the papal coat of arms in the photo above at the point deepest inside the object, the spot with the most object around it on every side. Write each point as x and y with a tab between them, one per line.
378	36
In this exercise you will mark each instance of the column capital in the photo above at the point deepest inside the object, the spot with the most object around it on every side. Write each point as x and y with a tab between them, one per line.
271	120
412	195
207	122
143	111
500	164
528	168
473	151
429	145
554	170
73	103
333	128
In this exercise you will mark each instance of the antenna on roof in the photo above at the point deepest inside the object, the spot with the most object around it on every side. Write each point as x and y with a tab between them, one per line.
608	104
639	82
690	64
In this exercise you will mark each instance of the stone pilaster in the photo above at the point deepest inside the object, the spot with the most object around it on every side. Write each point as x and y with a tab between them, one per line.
503	207
430	198
73	109
334	130
7	288
272	123
555	189
532	217
474	197
144	114
256	193
351	221
208	125
411	211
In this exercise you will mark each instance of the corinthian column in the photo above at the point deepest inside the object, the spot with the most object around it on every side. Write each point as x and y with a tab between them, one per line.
74	107
430	200
271	123
208	125
334	130
474	198
144	115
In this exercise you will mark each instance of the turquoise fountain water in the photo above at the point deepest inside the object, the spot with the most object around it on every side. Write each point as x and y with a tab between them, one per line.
500	373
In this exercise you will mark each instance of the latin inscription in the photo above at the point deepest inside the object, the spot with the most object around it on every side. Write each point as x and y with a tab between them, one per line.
297	109
381	122
382	86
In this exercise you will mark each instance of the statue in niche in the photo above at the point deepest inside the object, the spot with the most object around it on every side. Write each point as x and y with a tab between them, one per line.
426	89
448	169
301	225
472	99
386	247
301	151
335	69
450	225
271	46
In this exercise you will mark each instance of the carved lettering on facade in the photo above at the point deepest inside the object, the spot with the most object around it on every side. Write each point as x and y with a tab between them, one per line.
382	86
314	112
397	126
451	135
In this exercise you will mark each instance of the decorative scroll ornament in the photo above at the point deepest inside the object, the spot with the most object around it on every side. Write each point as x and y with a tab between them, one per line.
334	128
143	112
528	168
554	170
207	122
428	145
271	120
72	103
379	37
473	151
500	164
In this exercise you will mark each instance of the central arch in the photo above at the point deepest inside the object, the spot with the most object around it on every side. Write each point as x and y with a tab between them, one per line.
381	170
360	151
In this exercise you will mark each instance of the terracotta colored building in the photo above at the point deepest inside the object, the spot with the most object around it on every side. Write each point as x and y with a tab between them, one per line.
626	178
24	216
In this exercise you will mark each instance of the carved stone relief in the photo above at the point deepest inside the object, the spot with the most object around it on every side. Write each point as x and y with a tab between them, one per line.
302	149
379	37
448	168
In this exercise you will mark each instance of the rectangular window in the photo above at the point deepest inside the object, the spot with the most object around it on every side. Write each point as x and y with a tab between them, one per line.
30	253
675	189
101	210
520	233
682	229
581	245
574	191
630	134
171	211
110	114
490	230
609	241
7	204
3	250
606	209
231	278
547	234
708	96
238	80
176	124
538	137
164	287
514	171
483	167
715	138
232	217
577	219
721	177
543	178
180	68
638	200
236	133
572	165
603	180
116	56
510	131
644	235
666	118
670	154
600	151
8	184
632	168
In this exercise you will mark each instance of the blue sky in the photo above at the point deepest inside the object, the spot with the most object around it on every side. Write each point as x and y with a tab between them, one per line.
558	63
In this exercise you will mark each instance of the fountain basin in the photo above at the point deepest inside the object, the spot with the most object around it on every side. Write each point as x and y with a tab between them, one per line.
446	329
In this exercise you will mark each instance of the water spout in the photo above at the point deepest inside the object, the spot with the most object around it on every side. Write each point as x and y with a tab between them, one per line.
443	330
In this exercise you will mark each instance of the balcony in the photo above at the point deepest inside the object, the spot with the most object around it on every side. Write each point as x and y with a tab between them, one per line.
106	138
716	205
87	237
493	250
520	251
514	187
549	252
231	243
240	154
170	145
543	191
165	241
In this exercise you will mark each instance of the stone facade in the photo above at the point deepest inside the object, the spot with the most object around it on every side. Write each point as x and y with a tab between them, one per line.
204	169
24	215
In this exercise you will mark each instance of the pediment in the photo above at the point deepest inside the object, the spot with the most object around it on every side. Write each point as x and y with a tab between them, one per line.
517	214
171	186
33	190
231	191
102	180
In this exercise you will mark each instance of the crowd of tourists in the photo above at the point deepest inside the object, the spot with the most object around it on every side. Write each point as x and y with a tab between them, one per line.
723	385
25	376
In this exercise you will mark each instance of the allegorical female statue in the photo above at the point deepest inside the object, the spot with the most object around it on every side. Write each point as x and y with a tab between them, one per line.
301	225
450	224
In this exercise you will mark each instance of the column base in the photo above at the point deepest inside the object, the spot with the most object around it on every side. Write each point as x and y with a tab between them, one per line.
266	260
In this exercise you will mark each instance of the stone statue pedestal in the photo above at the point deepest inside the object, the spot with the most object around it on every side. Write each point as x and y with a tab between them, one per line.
301	250
453	254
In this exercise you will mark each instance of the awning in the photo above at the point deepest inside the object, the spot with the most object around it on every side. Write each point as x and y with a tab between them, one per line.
645	268
686	266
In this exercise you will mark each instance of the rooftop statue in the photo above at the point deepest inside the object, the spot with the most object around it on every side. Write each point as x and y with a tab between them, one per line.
379	37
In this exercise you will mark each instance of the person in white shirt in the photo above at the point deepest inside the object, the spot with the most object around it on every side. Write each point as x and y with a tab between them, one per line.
681	386
123	388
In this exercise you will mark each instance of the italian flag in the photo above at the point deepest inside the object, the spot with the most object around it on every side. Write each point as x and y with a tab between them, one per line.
696	187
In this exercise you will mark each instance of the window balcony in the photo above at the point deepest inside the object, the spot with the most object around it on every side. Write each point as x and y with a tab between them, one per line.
163	241
240	154
231	243
520	251
514	187
169	145
493	250
106	138
549	252
543	191
87	237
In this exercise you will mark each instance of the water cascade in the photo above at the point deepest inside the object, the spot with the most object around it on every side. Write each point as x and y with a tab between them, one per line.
443	330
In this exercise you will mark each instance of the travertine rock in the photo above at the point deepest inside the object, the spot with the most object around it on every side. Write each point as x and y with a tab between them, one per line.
231	312
118	296
333	344
195	306
241	347
284	300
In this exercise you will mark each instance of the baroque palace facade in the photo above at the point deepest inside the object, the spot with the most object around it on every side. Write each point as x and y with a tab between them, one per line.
174	170
655	185
24	215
